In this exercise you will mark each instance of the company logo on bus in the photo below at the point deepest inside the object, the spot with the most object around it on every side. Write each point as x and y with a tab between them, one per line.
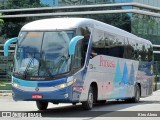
107	63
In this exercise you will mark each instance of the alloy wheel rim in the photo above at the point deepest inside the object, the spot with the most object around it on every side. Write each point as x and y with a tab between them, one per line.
90	99
137	95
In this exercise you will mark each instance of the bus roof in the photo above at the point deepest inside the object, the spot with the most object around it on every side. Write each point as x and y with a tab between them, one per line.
72	23
56	24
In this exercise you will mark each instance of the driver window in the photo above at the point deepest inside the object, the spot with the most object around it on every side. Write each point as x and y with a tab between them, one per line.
78	55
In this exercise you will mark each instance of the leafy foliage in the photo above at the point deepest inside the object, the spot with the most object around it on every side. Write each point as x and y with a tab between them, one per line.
15	4
1	21
12	26
146	27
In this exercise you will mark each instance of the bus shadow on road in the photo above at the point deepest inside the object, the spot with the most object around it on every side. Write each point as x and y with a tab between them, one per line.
150	102
98	109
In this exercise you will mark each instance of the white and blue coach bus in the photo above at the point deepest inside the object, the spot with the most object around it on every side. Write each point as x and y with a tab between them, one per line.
62	68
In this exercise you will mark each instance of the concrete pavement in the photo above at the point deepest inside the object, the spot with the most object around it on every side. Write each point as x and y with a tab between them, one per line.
149	104
5	92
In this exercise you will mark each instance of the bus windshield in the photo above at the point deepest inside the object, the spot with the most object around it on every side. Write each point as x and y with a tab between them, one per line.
42	53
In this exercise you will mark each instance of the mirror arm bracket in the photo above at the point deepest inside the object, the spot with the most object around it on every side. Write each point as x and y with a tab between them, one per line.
73	43
7	43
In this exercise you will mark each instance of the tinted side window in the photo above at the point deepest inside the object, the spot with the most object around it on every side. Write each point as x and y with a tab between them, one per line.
136	51
121	44
86	32
130	49
99	43
106	43
78	55
143	52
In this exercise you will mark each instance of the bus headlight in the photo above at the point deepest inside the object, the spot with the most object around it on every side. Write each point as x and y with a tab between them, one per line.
15	85
71	82
60	86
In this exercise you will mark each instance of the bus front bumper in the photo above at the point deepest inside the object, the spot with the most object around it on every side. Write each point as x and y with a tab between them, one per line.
63	95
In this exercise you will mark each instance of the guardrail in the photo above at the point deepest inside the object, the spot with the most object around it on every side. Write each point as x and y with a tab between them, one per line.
6	63
12	47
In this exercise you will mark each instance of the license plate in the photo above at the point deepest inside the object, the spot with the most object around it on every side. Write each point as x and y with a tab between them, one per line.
36	96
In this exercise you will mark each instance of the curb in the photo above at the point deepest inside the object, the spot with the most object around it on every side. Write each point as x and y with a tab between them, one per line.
5	92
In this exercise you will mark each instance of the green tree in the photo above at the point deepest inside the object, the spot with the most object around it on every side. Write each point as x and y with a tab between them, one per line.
15	4
12	26
1	21
144	26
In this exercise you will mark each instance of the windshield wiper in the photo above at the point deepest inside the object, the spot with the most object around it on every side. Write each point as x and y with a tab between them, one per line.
27	68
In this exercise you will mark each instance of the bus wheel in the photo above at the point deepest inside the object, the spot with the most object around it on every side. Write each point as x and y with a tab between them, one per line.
137	95
42	105
87	105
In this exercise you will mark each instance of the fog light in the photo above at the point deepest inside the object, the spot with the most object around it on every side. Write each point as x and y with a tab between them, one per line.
66	95
13	94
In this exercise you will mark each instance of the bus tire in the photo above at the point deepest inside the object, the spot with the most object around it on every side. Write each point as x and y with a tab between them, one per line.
42	105
137	94
88	105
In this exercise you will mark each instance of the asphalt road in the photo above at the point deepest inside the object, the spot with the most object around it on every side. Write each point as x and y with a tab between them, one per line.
146	109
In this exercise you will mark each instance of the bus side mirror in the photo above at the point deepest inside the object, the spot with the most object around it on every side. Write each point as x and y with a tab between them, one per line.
73	43
7	43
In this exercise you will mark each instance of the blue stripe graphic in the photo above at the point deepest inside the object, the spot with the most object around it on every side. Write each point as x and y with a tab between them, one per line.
25	83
